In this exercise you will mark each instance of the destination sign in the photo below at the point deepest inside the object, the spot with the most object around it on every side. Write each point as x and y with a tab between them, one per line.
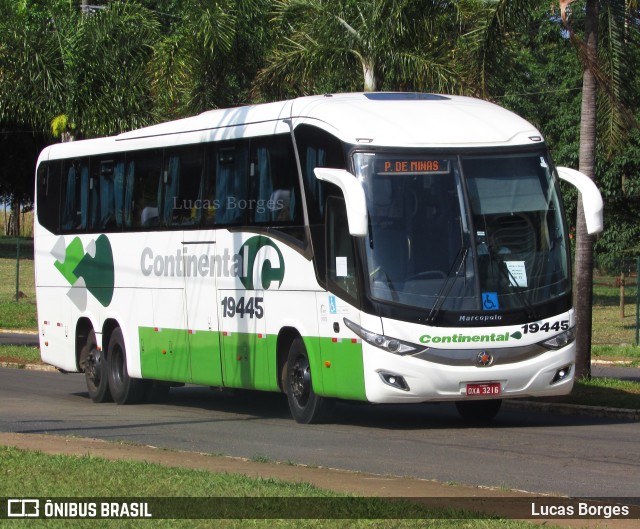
413	166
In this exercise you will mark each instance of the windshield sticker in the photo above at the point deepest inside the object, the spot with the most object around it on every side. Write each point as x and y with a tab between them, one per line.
490	301
517	273
341	267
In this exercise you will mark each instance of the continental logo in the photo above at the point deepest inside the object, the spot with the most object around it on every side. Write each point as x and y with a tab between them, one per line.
474	338
87	270
258	264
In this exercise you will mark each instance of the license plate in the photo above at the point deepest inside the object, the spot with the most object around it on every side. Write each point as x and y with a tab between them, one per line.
483	390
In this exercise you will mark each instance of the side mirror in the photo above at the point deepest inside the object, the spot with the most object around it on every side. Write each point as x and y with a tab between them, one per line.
591	197
353	196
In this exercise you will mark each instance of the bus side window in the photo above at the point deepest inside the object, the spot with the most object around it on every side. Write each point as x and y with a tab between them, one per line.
341	266
105	195
75	201
183	185
145	171
49	195
275	193
317	148
232	171
209	205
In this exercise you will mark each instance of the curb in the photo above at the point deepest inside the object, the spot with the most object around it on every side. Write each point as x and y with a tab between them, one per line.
575	409
29	367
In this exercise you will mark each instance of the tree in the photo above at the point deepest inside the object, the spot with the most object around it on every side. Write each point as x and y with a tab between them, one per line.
209	56
78	74
90	68
619	120
105	55
603	73
371	45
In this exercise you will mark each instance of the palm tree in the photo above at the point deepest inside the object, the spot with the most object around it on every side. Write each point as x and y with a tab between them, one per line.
89	69
105	55
603	102
606	71
210	56
587	163
366	45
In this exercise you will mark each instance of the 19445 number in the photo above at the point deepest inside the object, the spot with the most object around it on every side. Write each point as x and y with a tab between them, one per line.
532	328
251	307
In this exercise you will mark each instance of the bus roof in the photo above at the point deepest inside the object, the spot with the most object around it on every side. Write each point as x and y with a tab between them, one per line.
393	119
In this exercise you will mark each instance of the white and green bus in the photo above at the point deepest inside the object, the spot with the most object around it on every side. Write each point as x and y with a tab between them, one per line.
378	247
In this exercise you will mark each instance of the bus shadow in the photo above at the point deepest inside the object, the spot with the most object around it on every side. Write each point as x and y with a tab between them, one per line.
264	405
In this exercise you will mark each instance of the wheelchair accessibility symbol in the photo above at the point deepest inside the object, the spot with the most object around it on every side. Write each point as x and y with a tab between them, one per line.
332	305
490	301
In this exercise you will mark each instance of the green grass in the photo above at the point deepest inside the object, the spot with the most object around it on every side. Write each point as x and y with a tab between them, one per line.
609	392
629	354
20	314
19	354
609	328
33	474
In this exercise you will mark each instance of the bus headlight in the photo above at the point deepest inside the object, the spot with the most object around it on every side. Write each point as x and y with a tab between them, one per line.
391	345
560	340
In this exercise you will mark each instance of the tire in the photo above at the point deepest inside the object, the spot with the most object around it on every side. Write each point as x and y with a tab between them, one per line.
306	407
94	365
478	410
124	389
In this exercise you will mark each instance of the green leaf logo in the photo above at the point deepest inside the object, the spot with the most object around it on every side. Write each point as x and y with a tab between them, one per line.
89	270
517	335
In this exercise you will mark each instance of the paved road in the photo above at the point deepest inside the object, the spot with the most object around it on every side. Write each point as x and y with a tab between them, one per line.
526	450
17	338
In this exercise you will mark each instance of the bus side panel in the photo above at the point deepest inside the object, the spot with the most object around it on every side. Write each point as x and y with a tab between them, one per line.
148	304
246	362
341	362
57	288
204	347
264	286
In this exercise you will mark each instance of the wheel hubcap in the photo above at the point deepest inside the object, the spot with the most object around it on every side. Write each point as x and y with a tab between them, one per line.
301	381
94	366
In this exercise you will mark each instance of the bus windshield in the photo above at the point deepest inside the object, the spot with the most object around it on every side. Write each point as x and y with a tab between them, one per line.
463	233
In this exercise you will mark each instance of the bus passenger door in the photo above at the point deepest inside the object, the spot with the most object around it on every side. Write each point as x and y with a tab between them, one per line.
200	270
341	351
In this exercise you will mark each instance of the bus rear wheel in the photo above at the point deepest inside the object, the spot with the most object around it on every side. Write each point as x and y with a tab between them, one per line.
124	389
95	370
478	410
305	405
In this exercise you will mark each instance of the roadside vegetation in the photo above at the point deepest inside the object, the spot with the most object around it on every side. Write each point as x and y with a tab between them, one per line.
33	474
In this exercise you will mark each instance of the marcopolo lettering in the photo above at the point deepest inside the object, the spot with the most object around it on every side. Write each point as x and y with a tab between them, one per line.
481	318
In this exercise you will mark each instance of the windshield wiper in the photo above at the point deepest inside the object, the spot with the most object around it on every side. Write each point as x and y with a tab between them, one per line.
454	272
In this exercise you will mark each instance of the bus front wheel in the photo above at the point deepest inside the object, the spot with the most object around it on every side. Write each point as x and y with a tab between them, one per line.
95	370
306	407
124	389
478	410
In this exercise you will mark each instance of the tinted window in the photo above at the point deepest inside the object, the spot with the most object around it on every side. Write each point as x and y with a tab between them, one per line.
48	183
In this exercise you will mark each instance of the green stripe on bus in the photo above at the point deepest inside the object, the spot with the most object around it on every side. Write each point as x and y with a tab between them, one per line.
247	360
